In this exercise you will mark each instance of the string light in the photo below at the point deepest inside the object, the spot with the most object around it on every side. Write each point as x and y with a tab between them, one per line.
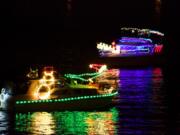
131	45
134	40
142	31
66	99
90	76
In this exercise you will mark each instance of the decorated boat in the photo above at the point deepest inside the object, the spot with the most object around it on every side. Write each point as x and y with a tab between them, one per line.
135	46
68	92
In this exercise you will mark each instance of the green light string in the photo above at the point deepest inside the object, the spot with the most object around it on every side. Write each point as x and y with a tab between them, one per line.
80	76
66	99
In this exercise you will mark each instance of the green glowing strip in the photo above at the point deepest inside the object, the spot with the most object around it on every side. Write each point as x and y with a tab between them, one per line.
65	99
74	76
80	75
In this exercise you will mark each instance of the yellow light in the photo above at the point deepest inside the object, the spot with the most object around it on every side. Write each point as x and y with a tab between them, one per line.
49	78
42	123
43	95
46	82
90	80
103	68
91	66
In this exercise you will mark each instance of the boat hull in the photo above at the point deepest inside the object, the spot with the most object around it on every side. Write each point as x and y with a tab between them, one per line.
91	102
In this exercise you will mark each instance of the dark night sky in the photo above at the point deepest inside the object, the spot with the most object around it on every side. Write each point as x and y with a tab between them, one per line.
42	31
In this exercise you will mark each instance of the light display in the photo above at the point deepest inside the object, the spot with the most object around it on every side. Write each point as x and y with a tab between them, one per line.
88	77
33	74
4	97
135	40
142	31
104	47
98	67
130	46
45	87
66	99
158	48
82	77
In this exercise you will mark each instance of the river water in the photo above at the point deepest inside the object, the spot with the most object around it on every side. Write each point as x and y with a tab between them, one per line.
142	109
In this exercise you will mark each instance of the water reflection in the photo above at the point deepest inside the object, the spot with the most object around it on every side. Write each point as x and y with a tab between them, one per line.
75	122
35	123
5	122
142	102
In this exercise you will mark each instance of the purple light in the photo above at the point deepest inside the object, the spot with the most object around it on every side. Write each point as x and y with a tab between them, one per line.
135	40
141	98
131	46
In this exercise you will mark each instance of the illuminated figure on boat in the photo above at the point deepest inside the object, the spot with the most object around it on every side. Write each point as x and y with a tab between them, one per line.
4	96
46	85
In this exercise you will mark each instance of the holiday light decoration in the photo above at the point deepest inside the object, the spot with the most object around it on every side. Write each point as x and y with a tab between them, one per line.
66	99
33	73
103	68
135	40
104	47
98	67
129	46
4	96
46	83
81	77
88	77
158	48
142	31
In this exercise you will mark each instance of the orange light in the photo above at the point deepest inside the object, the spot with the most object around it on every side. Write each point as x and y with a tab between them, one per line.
46	82
113	43
90	66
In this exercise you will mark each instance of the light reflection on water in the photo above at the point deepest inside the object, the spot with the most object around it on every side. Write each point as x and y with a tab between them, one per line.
70	123
5	123
142	102
141	110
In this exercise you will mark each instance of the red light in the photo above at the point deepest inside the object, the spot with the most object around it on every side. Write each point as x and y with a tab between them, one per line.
113	43
96	66
48	69
158	48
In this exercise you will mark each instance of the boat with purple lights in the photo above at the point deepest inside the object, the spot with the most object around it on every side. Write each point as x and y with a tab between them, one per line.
135	46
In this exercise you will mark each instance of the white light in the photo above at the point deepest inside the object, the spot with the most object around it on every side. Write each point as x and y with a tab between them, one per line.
4	96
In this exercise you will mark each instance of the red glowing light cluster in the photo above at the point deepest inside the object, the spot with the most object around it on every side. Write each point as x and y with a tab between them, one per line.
48	69
158	48
96	66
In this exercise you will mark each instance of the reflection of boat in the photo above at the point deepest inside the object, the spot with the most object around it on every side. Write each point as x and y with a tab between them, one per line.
49	93
68	122
135	46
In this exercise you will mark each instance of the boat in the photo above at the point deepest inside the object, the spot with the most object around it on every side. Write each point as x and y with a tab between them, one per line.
134	47
69	92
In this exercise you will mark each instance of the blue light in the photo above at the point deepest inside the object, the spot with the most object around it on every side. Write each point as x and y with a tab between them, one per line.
135	40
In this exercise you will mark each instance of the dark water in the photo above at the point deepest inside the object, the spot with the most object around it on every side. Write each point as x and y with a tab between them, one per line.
142	109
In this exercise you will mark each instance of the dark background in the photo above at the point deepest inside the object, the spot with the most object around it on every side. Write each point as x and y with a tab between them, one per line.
66	31
51	32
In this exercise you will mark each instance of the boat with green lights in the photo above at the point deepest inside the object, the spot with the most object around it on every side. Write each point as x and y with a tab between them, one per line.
70	92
